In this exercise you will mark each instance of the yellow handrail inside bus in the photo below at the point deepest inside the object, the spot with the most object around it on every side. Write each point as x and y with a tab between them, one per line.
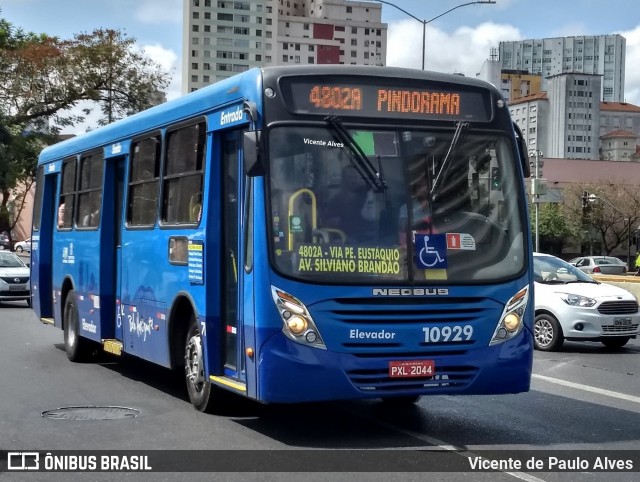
314	214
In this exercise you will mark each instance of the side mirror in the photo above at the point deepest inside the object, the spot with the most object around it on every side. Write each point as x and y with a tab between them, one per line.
523	151
253	160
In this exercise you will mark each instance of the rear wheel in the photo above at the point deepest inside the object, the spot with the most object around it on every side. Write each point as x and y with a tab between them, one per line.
615	342
18	249
547	334
200	389
78	349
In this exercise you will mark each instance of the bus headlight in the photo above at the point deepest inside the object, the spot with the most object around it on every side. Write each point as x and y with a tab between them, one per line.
296	319
297	325
511	321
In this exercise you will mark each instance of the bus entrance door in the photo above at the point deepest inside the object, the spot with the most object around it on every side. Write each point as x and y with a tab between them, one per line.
232	258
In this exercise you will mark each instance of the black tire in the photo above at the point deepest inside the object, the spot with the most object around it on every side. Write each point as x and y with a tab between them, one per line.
547	333
78	348
401	401
201	392
19	249
28	300
618	342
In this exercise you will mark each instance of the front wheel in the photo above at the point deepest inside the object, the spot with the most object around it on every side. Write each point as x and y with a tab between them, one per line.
19	249
615	342
200	389
547	333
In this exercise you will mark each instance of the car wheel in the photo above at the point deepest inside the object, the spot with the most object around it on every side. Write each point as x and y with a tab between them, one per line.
615	342
78	348
19	249
547	334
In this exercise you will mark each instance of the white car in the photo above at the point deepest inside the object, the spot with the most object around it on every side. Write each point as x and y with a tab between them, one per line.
21	246
14	278
570	305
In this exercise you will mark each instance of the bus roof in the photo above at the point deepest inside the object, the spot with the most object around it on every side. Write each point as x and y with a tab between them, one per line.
237	88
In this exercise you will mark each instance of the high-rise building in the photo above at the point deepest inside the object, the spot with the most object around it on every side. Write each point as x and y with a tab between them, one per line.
563	122
224	37
588	54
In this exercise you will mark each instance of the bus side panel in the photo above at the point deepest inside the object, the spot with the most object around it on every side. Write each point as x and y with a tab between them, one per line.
75	261
41	254
154	279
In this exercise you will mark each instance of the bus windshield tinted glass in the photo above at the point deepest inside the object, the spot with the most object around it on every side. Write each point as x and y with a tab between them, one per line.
450	211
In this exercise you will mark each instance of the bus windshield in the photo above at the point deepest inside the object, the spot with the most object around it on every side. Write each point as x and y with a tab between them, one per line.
395	205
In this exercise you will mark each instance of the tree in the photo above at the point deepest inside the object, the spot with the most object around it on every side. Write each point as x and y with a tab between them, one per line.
612	213
554	227
43	77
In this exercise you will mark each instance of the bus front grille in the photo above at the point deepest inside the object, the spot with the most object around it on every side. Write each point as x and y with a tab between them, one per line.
378	380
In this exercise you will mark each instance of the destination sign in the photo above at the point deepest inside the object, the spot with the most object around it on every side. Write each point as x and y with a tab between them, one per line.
414	100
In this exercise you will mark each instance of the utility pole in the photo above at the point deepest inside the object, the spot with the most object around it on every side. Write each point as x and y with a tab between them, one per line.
538	188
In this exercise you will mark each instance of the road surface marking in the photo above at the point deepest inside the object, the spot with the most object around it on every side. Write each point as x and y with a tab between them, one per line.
461	451
588	388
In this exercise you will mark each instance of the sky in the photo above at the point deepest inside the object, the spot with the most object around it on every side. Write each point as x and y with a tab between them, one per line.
459	41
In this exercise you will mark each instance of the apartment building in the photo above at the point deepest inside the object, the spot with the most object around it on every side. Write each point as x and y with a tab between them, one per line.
603	55
225	37
619	116
563	122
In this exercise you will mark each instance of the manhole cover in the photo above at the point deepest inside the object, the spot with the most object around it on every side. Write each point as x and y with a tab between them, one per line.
91	413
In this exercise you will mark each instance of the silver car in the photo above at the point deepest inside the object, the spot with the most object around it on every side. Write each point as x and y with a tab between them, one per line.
600	265
21	246
570	305
14	278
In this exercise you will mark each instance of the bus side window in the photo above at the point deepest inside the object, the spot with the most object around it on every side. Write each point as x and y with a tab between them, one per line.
183	176
67	194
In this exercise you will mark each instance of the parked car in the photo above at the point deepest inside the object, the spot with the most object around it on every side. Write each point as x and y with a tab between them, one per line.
600	264
14	278
570	305
5	242
21	246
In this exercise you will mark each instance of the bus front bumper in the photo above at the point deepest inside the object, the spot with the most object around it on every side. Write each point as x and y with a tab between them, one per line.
290	372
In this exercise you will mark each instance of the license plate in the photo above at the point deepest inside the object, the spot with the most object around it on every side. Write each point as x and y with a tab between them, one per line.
17	287
411	368
622	321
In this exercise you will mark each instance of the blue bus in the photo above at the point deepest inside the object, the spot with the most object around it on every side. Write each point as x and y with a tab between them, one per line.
296	234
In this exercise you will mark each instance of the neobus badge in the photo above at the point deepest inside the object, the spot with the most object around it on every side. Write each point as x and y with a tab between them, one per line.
228	117
411	292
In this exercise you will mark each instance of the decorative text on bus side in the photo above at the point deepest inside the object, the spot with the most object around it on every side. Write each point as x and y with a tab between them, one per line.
233	116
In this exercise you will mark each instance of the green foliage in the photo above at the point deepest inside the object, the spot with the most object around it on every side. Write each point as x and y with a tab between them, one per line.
609	219
554	226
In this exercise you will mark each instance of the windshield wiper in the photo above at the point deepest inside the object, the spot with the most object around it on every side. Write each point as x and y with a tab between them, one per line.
360	160
461	128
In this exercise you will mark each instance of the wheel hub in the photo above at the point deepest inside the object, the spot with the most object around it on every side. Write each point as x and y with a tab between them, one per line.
193	362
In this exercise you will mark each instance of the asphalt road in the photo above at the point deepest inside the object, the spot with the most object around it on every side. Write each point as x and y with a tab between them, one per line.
584	398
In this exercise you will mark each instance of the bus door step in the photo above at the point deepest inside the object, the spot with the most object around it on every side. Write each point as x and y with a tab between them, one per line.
228	382
112	346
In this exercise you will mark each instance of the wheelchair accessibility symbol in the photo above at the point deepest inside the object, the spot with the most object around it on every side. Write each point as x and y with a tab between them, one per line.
431	250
